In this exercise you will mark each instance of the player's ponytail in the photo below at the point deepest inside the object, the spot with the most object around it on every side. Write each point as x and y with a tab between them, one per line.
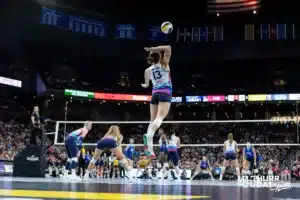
230	137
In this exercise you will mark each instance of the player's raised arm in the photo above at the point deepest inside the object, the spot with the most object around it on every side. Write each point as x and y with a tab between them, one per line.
178	142
167	53
147	78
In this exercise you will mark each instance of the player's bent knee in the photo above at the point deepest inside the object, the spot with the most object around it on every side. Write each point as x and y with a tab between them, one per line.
93	161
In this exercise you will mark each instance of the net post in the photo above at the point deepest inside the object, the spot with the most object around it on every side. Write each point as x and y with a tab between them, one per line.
56	132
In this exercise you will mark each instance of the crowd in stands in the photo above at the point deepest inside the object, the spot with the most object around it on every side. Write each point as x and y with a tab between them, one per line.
15	136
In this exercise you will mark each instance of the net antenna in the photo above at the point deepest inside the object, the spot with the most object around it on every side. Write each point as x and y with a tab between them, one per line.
180	122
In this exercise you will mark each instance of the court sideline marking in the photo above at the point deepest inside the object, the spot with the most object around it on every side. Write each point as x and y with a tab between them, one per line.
92	196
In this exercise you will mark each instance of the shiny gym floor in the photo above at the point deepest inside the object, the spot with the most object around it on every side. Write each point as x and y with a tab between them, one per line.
115	189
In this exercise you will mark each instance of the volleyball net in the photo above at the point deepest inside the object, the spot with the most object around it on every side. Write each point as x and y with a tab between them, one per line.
192	133
273	139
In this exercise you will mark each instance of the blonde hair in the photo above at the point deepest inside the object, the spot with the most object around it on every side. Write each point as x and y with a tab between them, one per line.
230	137
114	130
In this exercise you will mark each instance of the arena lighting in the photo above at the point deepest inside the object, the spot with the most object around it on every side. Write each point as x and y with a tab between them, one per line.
189	99
113	96
10	82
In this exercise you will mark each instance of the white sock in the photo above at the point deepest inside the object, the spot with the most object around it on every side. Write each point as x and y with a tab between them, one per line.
73	172
163	171
150	133
221	177
177	170
149	127
87	173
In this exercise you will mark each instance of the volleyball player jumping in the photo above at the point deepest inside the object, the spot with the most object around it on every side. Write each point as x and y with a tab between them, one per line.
71	143
159	74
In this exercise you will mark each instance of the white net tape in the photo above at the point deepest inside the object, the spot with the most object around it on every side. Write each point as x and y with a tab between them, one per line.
61	125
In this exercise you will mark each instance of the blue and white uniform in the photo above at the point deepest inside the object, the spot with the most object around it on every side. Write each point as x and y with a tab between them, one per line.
249	154
230	150
129	151
73	140
173	150
204	164
107	142
87	159
162	85
163	146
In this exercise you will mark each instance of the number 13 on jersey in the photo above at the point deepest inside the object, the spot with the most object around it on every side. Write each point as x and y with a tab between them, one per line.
156	74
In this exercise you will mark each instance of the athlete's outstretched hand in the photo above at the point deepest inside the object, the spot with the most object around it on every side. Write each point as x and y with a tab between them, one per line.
144	85
147	48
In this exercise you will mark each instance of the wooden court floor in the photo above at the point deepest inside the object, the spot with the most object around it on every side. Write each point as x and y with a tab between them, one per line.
115	189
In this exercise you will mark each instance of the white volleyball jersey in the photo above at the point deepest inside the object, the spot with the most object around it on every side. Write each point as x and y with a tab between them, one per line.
230	147
160	78
172	143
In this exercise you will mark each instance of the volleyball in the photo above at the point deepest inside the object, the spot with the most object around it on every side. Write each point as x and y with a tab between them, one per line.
143	163
166	27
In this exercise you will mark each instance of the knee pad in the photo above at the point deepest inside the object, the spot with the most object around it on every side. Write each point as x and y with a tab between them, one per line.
75	159
158	121
238	169
69	160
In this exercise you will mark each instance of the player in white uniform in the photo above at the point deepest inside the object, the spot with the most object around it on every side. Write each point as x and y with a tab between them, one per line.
230	150
159	74
173	145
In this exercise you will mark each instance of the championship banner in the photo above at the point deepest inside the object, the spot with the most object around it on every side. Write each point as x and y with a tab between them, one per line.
232	6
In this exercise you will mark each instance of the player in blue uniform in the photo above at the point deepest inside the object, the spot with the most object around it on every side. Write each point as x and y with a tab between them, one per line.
73	140
230	150
112	140
203	166
129	152
163	151
159	74
249	159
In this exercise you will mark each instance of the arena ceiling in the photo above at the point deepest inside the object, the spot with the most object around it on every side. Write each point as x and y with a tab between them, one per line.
155	9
